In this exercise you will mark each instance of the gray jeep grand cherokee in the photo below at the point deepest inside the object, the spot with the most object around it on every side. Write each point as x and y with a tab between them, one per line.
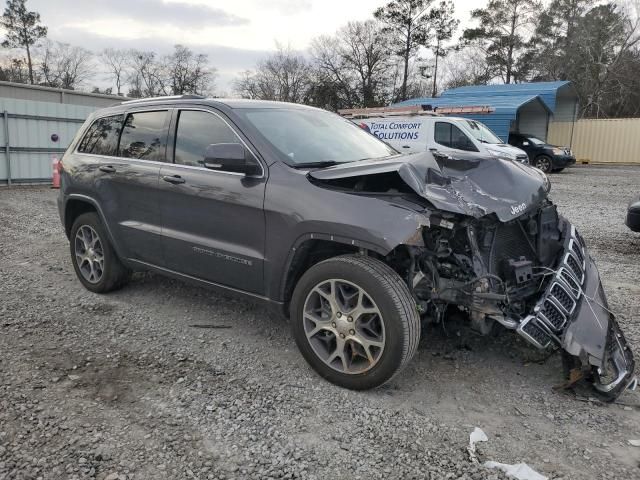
358	245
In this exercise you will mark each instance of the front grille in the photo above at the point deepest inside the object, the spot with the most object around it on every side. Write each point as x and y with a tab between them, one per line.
533	332
577	250
575	267
552	315
555	308
562	297
570	281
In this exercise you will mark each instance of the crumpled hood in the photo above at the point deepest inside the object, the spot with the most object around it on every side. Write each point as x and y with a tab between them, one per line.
471	185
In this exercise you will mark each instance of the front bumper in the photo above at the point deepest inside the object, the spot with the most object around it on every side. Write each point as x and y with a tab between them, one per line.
633	215
563	161
573	314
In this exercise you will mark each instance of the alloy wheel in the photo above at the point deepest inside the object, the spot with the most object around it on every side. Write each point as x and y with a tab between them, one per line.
344	326
89	254
544	164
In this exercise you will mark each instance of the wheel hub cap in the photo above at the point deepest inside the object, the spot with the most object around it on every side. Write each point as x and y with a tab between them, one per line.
89	255
344	326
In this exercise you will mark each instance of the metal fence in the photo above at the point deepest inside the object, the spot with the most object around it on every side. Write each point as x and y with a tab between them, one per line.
599	141
25	137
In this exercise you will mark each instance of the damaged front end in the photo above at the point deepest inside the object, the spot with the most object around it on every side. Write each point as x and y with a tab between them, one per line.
495	247
532	275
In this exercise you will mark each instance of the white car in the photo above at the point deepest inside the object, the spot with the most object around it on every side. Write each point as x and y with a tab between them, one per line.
448	135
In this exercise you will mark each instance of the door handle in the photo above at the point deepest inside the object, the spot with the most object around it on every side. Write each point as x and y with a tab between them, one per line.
174	179
106	169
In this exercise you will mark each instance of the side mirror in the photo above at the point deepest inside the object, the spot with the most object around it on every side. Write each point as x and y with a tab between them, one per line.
230	157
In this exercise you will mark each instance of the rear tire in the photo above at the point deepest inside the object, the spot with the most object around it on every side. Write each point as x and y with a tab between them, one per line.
544	163
94	259
355	321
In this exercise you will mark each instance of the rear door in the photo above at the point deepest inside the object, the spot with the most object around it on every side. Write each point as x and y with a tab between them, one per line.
213	225
126	178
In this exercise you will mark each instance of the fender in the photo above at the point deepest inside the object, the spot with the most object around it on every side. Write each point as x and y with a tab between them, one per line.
96	205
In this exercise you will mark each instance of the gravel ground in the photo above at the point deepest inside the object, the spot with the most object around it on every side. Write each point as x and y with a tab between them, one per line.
123	386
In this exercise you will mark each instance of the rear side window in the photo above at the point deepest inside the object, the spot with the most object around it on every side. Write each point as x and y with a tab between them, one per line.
102	136
448	135
196	131
144	136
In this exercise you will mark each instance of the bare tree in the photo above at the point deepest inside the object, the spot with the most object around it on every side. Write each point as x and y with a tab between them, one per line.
65	66
23	29
148	76
358	61
283	76
467	66
14	70
333	69
366	51
189	72
116	61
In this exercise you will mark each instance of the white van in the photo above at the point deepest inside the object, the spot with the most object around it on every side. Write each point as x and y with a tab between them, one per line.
448	135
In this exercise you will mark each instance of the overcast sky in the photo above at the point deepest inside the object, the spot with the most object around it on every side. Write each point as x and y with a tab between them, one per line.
234	33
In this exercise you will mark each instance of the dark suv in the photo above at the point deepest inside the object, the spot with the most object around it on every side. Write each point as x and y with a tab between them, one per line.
547	158
358	245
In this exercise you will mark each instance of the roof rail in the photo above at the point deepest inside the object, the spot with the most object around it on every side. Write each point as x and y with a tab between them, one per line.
413	110
166	97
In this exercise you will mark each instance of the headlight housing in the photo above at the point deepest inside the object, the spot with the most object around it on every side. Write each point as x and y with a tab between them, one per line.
558	151
501	155
546	182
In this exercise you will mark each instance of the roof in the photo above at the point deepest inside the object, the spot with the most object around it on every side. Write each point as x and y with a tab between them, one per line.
229	102
546	90
505	108
501	104
61	90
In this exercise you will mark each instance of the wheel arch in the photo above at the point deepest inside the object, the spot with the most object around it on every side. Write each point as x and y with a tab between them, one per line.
312	249
77	205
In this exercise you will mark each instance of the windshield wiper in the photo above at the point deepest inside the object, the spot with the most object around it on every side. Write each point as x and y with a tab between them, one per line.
327	163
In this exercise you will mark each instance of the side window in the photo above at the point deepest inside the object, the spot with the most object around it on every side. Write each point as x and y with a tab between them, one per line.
196	131
442	133
144	136
102	136
448	135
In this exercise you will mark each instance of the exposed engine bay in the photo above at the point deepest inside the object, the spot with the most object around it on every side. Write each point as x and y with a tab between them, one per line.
501	255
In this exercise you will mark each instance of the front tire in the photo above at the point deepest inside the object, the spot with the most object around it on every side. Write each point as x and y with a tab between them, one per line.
94	259
355	321
544	163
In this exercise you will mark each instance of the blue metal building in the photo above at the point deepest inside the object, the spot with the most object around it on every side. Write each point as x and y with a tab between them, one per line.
523	107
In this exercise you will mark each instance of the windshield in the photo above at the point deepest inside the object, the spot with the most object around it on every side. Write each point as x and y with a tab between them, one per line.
482	133
307	137
535	141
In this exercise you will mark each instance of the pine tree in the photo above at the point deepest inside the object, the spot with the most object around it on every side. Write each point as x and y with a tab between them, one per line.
23	29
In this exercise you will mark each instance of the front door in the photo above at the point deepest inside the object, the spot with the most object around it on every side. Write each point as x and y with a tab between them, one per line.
450	139
213	225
